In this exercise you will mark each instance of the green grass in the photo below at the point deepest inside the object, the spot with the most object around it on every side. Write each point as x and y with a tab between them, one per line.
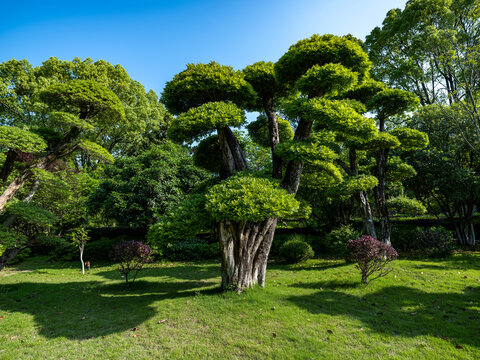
422	310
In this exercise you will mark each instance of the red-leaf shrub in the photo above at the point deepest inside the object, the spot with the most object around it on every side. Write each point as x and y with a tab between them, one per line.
131	255
372	256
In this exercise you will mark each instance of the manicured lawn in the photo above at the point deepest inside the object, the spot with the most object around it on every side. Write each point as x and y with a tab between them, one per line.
423	310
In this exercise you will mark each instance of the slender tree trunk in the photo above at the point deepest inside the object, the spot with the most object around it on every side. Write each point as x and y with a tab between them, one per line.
9	254
233	157
362	199
379	192
82	247
274	137
291	180
245	247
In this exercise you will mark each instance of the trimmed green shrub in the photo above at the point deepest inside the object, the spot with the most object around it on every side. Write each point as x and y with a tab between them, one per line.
337	239
425	242
296	250
192	249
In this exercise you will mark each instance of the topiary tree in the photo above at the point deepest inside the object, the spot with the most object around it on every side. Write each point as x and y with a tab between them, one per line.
207	98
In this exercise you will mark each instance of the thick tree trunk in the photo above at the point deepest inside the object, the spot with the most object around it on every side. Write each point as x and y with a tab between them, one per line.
274	137
245	247
379	192
465	233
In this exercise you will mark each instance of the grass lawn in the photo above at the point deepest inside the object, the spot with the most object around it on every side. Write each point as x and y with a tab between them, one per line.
423	310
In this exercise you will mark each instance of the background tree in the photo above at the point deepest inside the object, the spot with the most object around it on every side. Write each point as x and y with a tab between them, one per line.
138	190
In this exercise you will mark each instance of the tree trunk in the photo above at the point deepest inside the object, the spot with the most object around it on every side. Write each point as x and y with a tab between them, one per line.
367	215
82	247
291	180
245	247
8	165
362	199
465	233
379	192
233	157
274	137
8	255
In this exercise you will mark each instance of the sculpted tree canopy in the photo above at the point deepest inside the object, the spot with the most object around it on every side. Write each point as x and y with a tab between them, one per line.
246	208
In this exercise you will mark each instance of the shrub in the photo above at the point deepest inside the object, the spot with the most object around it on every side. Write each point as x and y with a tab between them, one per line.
434	241
131	255
192	249
372	256
337	239
429	242
296	250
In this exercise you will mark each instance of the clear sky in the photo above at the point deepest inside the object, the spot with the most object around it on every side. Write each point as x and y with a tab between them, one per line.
154	39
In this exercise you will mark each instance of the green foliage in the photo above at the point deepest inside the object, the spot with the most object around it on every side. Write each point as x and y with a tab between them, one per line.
89	98
192	249
200	121
436	242
138	190
261	76
321	50
305	151
186	220
391	102
399	170
382	140
258	130
354	184
207	154
296	250
365	91
96	151
10	238
21	140
203	83
330	80
334	115
79	236
245	198
410	139
405	205
31	214
71	120
337	239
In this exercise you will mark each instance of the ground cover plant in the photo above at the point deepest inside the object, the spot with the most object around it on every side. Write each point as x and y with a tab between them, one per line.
317	309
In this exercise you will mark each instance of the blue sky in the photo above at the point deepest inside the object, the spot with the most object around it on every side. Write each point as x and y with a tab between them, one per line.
153	40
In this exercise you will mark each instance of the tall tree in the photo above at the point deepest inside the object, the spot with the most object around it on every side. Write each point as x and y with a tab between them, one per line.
247	208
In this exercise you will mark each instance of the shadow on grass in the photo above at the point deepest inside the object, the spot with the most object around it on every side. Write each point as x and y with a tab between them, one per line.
459	262
400	310
322	265
83	310
181	272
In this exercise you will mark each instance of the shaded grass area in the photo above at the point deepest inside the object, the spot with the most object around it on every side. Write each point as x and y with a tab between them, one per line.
423	309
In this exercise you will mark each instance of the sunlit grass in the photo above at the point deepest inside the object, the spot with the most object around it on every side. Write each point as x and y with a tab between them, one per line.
423	309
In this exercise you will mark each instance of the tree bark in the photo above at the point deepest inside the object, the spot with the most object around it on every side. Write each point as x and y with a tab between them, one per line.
245	247
82	247
8	255
274	137
8	165
291	180
362	199
233	157
379	192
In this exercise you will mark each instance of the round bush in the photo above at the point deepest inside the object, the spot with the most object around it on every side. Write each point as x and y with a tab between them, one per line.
295	251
